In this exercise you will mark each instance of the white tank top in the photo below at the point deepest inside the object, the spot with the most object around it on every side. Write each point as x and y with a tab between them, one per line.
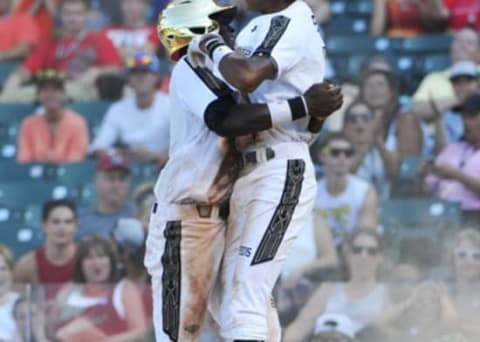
8	327
342	212
361	311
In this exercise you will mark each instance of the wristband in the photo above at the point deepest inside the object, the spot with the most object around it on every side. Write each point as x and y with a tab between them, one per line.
219	52
298	107
280	112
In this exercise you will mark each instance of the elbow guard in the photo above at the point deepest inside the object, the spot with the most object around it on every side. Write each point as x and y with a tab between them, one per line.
216	114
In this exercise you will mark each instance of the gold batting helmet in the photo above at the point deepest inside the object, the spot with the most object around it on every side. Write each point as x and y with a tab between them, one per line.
183	20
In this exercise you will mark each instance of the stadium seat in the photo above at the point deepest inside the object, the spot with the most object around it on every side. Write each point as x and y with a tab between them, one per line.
75	173
403	185
6	69
21	238
358	44
93	112
435	63
426	44
33	192
346	25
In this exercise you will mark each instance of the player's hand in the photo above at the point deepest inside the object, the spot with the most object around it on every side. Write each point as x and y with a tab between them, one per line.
323	99
197	49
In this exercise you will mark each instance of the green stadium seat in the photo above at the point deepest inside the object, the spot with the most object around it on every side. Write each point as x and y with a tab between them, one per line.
426	44
93	112
358	44
33	192
6	68
21	238
436	63
75	173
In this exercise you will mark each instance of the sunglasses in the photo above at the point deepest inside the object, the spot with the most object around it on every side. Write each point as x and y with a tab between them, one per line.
467	255
336	152
354	118
370	251
50	74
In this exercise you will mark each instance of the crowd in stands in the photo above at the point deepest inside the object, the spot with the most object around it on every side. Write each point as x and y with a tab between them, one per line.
392	252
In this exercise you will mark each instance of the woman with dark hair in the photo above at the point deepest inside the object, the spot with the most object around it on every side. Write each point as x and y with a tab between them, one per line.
361	298
97	305
400	130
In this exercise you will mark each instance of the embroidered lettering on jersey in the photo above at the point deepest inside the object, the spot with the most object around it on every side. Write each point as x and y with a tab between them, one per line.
278	26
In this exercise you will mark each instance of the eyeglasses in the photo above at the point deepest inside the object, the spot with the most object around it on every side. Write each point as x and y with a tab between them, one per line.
370	251
354	118
336	152
468	255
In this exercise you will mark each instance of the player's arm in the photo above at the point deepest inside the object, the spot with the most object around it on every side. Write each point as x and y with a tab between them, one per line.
227	118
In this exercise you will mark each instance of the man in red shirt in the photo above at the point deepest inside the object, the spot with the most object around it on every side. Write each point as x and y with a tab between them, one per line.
134	33
54	262
83	56
18	33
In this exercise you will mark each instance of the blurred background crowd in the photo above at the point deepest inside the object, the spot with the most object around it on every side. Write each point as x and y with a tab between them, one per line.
392	252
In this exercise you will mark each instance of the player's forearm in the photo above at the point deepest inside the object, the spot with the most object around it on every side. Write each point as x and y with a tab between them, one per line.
246	74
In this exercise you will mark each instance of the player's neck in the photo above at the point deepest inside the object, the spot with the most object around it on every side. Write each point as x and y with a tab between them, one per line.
277	6
59	254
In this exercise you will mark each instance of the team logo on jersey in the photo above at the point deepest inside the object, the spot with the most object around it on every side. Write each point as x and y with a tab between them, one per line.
243	51
245	251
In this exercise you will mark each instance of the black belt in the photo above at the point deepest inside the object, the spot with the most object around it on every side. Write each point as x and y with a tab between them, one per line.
251	158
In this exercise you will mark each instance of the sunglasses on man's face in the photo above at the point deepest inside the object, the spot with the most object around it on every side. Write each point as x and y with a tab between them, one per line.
354	118
370	251
336	152
471	255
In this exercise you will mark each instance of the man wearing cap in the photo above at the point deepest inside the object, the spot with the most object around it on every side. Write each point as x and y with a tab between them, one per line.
334	328
455	173
112	182
449	125
138	126
59	135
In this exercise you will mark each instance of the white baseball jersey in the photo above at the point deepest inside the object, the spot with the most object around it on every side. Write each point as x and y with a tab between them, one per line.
197	170
292	40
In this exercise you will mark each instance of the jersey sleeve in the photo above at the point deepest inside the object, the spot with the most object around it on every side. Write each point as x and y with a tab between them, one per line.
284	42
197	88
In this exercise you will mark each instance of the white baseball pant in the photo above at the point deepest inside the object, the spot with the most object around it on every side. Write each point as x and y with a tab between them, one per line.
270	204
184	249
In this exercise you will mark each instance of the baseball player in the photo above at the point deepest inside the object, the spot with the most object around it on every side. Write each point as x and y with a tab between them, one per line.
186	234
277	56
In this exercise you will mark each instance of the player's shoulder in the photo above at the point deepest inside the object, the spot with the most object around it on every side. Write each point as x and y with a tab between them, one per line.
298	14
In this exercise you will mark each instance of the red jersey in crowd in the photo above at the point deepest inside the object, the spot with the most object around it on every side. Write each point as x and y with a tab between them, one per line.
404	18
52	276
74	55
463	13
134	39
43	18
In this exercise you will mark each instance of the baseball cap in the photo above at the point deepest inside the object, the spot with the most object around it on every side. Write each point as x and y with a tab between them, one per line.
331	322
145	61
113	161
463	68
129	233
470	105
50	76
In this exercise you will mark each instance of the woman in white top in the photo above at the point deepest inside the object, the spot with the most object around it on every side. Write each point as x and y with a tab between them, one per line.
97	305
361	298
7	296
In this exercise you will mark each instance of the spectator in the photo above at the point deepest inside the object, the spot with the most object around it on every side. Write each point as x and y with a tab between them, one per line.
57	136
402	131
372	161
7	296
123	127
144	200
103	13
454	175
30	320
457	14
401	18
449	125
333	327
465	47
423	316
134	33
361	298
43	12
52	264
465	292
97	304
112	183
343	200
402	281
19	33
83	56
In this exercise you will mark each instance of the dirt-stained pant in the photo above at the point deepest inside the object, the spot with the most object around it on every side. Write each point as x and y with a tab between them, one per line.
184	250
